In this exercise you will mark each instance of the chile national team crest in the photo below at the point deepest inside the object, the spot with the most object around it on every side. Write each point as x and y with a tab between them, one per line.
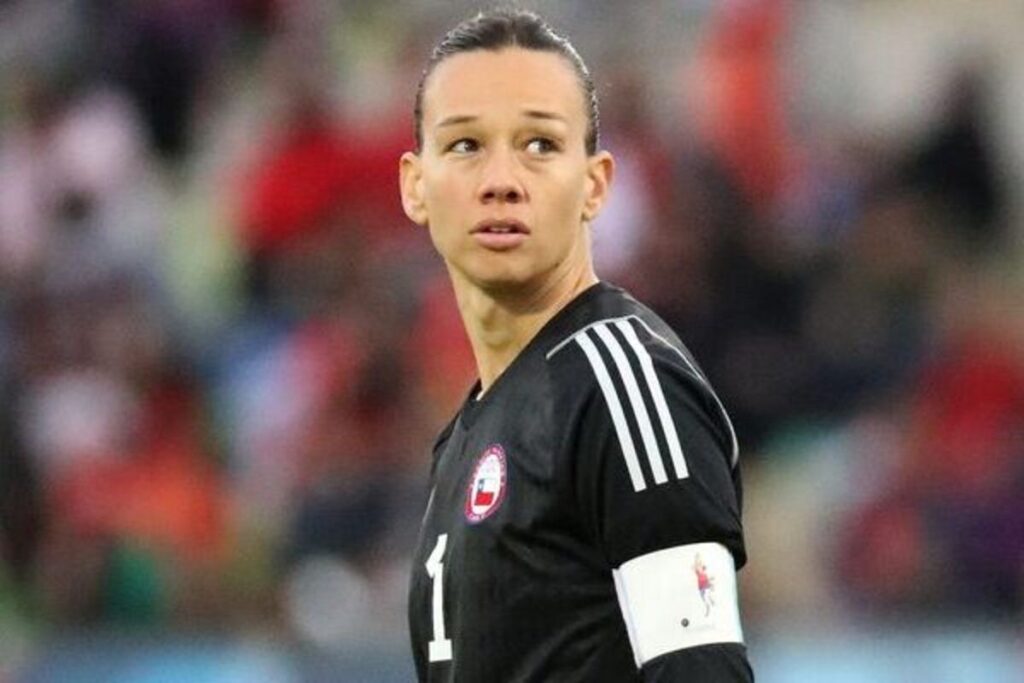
487	484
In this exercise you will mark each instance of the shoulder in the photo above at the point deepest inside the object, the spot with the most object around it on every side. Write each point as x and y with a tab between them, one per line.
634	367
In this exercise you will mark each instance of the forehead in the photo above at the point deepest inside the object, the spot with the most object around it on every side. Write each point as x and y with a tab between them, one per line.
480	82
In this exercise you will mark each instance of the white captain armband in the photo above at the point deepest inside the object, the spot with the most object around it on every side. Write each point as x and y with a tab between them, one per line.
678	598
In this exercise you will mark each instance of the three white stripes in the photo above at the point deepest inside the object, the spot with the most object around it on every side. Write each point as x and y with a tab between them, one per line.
636	403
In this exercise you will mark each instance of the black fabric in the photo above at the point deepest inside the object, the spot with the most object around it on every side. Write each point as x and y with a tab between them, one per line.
719	662
528	593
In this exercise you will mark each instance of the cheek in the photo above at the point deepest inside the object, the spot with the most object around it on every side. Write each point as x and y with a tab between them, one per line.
566	202
443	203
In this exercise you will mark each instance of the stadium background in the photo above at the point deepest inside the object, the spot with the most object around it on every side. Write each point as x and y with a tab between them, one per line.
223	351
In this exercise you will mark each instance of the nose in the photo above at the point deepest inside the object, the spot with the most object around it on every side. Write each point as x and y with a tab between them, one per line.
500	183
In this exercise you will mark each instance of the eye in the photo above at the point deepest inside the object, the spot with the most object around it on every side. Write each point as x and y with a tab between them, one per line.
464	146
541	145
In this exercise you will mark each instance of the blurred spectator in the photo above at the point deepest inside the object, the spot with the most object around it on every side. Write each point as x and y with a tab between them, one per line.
20	509
955	170
740	103
947	531
79	201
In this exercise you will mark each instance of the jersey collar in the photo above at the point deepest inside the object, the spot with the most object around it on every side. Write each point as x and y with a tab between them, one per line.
570	318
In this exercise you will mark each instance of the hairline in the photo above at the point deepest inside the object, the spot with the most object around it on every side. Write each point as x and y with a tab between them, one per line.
589	131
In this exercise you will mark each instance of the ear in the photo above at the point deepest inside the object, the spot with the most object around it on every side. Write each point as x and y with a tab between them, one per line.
600	171
410	178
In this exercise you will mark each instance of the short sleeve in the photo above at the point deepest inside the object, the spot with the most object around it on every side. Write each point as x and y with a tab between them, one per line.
658	488
650	477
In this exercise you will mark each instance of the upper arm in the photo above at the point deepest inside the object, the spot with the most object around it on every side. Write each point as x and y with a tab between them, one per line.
656	484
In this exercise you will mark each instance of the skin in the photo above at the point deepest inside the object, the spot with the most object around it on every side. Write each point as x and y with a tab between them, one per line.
503	139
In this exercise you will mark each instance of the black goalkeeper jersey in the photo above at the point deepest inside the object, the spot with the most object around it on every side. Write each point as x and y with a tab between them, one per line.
584	515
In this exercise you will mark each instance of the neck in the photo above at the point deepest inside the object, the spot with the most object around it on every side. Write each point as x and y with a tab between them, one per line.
501	324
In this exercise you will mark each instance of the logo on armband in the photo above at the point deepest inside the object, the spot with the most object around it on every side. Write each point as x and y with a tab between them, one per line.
487	484
705	586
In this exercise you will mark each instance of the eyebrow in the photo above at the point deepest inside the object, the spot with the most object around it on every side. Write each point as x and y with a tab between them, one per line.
469	118
545	115
455	120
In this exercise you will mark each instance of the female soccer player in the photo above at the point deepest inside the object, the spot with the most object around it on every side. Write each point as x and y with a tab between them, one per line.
584	515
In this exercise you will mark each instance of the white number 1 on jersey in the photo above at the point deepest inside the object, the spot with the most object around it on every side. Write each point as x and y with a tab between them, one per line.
440	648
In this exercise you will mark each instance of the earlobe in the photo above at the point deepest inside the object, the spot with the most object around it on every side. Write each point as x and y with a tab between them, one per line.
600	172
411	186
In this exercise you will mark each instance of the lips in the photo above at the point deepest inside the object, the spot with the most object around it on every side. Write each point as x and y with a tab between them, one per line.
500	226
500	234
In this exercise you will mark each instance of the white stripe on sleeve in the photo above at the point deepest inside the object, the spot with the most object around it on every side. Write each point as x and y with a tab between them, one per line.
615	408
675	449
643	420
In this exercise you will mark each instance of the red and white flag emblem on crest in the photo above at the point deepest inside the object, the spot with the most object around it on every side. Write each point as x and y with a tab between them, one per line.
487	484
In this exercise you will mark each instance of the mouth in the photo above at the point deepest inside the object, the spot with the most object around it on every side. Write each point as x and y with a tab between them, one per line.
504	226
500	234
500	226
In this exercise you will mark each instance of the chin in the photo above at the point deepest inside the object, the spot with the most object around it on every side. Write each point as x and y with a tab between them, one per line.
503	285
498	272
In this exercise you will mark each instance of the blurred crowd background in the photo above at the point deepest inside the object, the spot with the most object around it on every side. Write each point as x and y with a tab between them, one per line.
224	351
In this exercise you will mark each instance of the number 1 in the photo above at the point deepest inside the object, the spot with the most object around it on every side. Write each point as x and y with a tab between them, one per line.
440	648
